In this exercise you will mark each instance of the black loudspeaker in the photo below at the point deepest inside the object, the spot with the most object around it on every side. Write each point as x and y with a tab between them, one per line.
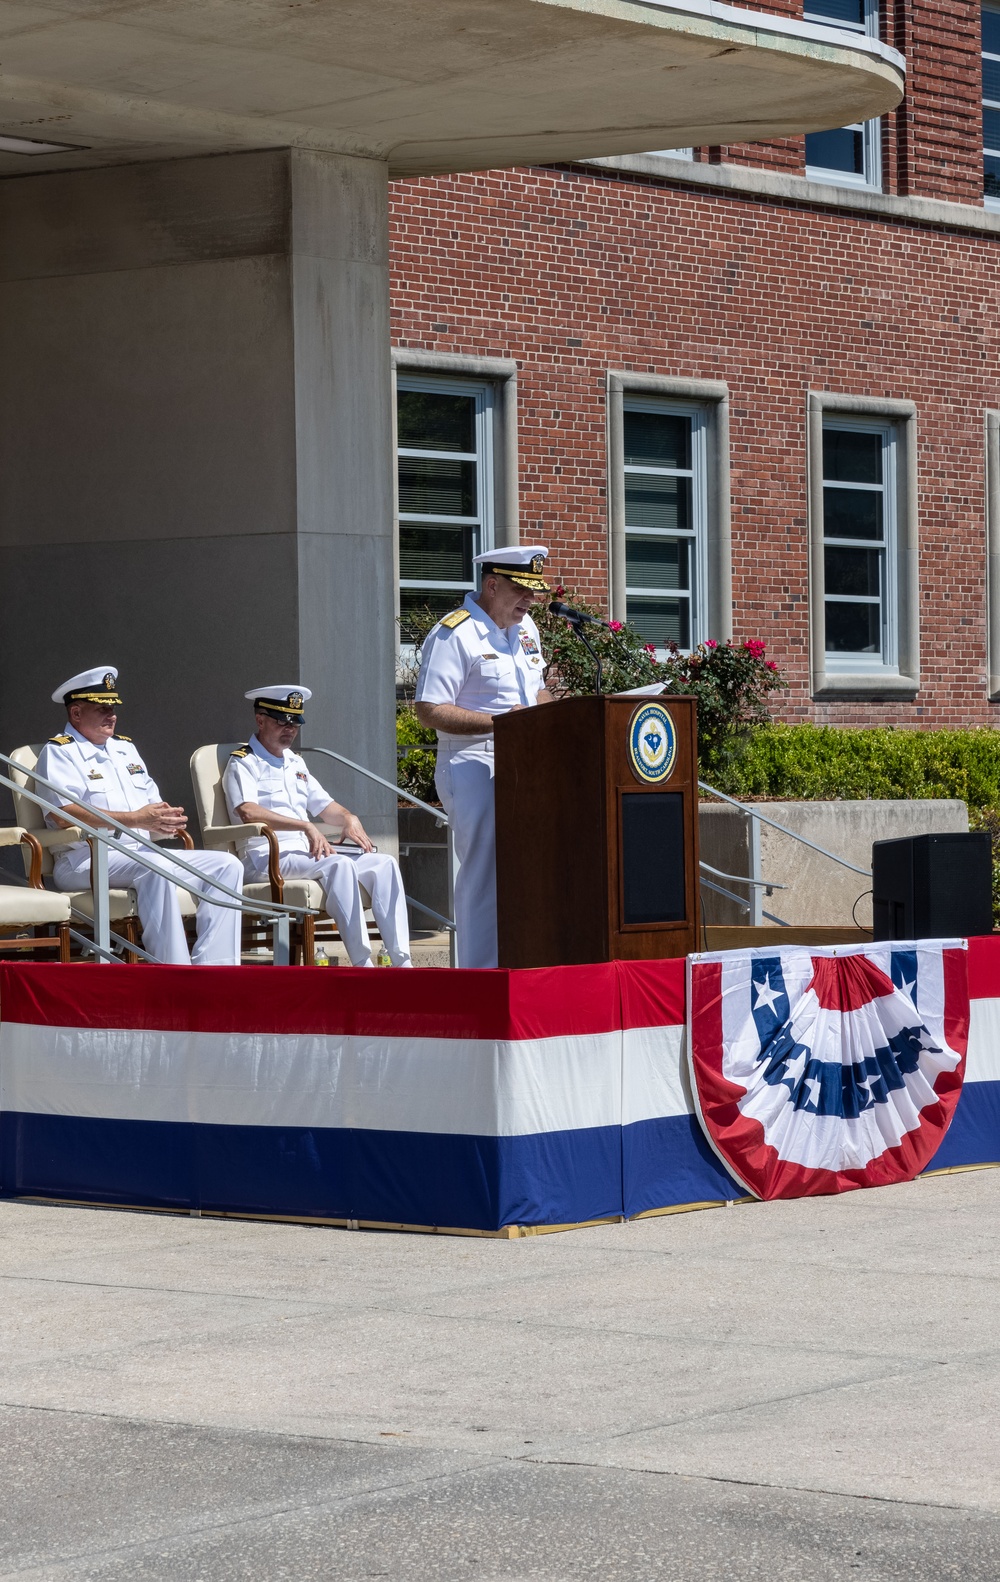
932	886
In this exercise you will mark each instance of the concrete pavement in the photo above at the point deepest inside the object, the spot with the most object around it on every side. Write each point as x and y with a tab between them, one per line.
804	1391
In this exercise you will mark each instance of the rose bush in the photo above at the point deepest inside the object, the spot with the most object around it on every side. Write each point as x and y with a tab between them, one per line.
731	681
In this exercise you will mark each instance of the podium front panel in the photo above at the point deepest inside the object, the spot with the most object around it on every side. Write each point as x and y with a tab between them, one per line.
652	869
597	831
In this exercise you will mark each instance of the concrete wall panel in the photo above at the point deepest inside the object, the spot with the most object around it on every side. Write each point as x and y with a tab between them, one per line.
150	404
143	216
189	637
817	890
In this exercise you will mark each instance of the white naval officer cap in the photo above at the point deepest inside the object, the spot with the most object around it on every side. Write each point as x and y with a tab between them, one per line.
285	704
523	565
90	686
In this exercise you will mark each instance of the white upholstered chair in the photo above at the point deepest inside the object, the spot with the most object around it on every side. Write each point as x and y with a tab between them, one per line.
208	765
37	851
28	915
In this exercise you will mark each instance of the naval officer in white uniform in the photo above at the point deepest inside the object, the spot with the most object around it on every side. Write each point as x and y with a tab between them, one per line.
267	783
482	660
95	770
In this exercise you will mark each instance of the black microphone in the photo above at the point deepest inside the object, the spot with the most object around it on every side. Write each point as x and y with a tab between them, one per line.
576	616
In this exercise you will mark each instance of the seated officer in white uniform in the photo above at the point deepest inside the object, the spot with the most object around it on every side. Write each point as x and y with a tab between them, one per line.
267	783
482	660
95	769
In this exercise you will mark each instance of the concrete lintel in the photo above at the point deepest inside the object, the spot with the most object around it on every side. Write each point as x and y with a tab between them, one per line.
779	186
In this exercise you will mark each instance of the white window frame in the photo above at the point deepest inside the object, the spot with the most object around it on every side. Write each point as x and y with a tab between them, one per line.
482	523
897	672
494	381
992	438
697	534
990	104
886	663
871	176
712	613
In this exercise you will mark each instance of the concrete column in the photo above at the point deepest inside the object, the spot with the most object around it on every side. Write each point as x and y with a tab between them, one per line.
344	468
195	464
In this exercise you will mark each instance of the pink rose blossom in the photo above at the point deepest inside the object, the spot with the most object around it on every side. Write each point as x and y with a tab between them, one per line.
710	643
771	664
615	626
650	648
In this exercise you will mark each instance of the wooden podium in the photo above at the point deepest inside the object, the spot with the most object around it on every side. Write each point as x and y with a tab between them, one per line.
597	831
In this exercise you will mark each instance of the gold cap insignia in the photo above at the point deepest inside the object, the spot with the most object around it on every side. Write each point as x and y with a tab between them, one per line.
109	682
537	562
295	700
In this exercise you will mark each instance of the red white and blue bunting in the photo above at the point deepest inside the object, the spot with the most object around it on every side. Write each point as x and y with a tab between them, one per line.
822	1070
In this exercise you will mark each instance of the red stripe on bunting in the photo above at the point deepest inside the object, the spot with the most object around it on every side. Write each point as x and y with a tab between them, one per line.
984	967
739	1140
544	1002
653	993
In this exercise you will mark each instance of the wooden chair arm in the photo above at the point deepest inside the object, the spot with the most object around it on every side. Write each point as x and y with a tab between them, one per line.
182	835
34	845
225	834
274	864
11	835
48	838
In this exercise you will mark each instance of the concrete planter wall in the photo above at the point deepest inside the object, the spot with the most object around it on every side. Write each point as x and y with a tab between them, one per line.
818	890
423	860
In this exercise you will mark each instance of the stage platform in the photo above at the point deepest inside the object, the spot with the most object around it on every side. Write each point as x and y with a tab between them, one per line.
471	1103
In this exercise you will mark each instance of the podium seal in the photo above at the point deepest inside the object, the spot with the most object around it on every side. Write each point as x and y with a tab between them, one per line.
652	743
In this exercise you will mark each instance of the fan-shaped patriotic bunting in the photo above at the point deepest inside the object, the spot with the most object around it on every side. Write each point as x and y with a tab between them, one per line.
821	1070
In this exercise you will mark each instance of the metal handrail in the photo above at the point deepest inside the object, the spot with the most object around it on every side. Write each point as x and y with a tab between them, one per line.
742	878
439	813
440	817
739	901
752	812
241	903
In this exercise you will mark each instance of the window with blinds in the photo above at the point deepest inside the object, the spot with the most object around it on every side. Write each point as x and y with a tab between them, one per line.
665	521
991	105
850	155
445	479
859	537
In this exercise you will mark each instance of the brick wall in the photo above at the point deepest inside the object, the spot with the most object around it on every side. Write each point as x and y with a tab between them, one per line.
572	273
938	126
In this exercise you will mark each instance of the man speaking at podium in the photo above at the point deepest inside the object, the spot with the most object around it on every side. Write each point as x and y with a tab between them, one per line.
481	660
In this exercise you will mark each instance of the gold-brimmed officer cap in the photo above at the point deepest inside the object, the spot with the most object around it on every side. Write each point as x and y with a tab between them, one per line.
285	704
90	686
525	566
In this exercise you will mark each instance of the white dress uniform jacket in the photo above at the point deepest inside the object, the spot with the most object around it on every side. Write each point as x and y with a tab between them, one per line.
473	663
113	777
286	785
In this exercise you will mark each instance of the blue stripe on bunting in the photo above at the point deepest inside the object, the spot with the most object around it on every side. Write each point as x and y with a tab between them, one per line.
903	971
973	1138
667	1163
413	1178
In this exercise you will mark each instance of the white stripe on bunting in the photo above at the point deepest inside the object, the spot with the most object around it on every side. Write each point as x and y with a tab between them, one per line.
464	1087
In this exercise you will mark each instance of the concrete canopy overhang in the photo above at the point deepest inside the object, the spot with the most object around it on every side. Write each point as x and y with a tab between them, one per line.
425	85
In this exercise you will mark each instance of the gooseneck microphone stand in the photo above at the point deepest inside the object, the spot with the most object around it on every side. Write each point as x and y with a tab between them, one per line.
576	622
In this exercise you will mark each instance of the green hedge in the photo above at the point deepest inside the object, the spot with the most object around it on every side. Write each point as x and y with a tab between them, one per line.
823	763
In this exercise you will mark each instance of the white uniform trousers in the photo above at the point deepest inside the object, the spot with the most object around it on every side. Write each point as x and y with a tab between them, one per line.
464	779
218	942
340	877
